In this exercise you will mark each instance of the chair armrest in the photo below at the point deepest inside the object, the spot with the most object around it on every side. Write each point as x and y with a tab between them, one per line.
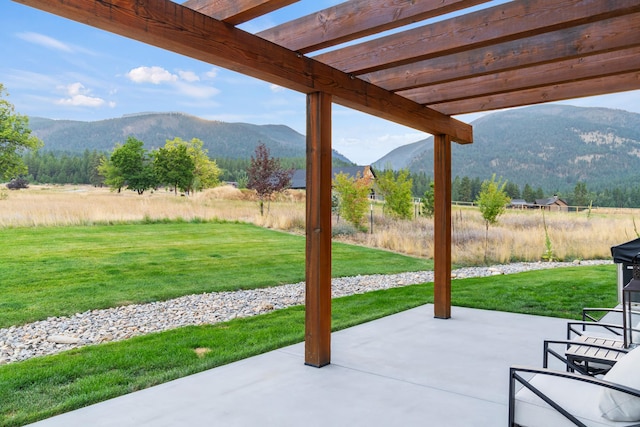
548	350
586	316
516	377
579	327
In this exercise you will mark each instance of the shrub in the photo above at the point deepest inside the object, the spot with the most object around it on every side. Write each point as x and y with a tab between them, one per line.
343	229
18	183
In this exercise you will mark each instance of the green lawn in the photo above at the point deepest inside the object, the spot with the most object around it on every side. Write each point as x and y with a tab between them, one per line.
42	387
64	270
55	271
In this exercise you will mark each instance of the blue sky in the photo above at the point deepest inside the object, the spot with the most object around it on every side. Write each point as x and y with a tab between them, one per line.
56	68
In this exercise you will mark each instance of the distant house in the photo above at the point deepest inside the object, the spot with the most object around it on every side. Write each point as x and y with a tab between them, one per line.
299	178
520	204
552	203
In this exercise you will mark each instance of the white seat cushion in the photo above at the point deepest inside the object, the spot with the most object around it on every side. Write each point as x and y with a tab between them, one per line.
618	406
578	398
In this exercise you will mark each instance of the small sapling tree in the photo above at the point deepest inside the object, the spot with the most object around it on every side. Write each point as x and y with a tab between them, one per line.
396	189
266	176
492	202
353	193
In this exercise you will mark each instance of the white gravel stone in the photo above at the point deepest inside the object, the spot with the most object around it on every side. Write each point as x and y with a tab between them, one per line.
60	339
56	334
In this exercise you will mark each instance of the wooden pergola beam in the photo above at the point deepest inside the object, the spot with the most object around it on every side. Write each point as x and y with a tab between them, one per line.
574	70
177	28
354	19
236	12
503	23
577	42
559	92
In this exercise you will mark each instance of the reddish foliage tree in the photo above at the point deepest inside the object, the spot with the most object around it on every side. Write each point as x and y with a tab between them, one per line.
266	175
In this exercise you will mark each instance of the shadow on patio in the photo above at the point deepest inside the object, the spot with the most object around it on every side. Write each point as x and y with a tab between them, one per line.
406	369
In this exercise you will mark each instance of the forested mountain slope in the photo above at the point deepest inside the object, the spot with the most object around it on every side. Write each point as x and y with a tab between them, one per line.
221	139
552	146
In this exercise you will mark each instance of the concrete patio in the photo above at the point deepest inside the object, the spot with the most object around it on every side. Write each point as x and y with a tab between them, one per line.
403	370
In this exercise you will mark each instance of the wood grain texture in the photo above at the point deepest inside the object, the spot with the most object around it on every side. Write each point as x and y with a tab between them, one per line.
573	70
236	11
318	231
442	227
578	42
558	92
180	29
357	18
503	23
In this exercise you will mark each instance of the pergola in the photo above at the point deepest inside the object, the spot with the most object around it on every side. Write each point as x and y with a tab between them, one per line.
413	62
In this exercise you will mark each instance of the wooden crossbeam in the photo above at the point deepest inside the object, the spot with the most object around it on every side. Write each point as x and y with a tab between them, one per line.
180	29
559	92
503	23
236	12
357	18
573	70
577	42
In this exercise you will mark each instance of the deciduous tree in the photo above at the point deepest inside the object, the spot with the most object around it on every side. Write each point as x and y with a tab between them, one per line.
15	139
266	175
174	166
130	166
492	202
206	173
353	193
396	189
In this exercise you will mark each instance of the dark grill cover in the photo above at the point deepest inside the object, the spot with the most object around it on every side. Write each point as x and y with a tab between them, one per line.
625	252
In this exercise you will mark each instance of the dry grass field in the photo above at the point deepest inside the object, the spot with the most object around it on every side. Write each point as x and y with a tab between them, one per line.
518	236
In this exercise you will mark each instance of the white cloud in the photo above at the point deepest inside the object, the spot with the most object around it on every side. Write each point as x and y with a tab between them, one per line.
45	41
155	75
275	88
78	96
211	74
188	76
196	91
184	82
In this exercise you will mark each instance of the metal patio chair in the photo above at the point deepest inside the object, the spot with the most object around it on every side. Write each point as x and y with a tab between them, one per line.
545	397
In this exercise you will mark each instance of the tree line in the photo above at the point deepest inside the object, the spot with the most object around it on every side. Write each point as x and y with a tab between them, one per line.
466	189
48	167
182	165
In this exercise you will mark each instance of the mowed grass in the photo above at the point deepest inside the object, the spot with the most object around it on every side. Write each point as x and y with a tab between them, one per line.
55	271
45	386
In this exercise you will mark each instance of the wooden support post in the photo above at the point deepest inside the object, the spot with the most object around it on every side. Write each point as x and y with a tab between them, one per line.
318	229
442	227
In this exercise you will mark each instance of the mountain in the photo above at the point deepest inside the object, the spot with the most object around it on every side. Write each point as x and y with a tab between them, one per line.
551	146
222	140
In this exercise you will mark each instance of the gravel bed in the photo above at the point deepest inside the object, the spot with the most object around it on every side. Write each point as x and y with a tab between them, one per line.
57	334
